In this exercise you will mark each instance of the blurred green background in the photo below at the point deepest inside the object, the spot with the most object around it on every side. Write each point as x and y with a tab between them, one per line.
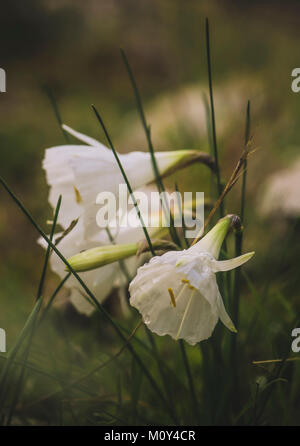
72	47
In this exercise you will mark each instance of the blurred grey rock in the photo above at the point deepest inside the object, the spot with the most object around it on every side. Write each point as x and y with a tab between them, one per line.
281	193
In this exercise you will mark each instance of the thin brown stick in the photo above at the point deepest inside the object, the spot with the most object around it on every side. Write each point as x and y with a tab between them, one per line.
230	183
271	361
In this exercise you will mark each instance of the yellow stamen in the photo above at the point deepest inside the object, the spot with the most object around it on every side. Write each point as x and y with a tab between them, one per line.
172	297
187	282
77	195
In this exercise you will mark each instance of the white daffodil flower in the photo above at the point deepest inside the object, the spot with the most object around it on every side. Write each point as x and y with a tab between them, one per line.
177	294
80	172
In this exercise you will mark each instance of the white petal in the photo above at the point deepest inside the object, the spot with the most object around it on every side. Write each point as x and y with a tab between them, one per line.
99	281
84	138
227	265
60	177
224	316
202	278
81	304
200	320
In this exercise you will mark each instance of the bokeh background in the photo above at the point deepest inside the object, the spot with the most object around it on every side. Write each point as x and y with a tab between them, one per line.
72	48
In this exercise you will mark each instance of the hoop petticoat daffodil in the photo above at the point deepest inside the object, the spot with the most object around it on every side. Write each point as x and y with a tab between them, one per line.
80	172
177	294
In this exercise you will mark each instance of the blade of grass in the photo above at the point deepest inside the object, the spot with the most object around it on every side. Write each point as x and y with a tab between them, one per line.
208	124
158	179
212	121
56	111
210	142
